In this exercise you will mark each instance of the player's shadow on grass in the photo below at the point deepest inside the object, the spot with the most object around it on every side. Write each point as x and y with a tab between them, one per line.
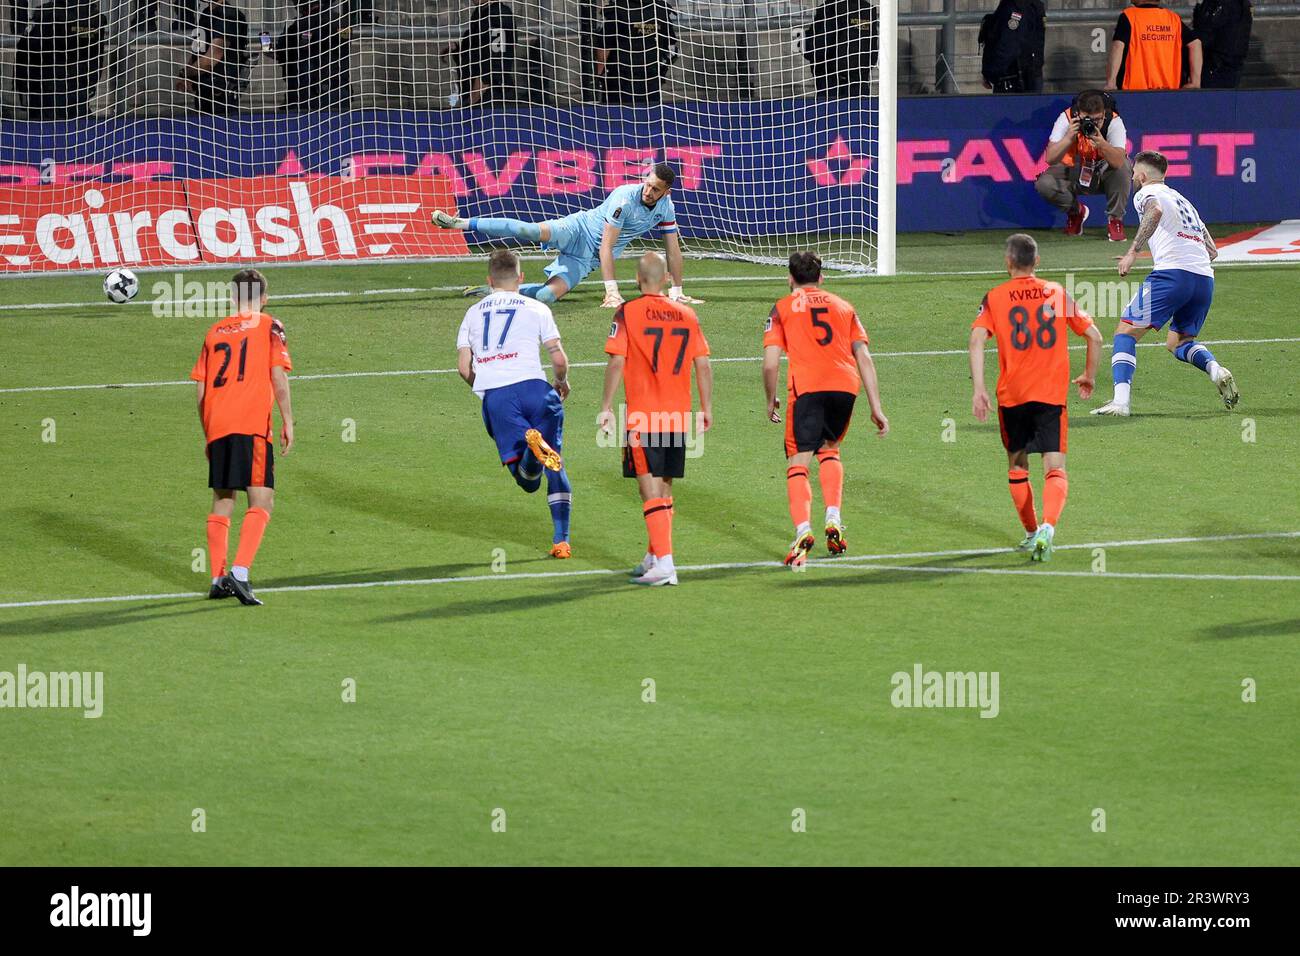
597	584
376	575
833	573
1257	628
1238	413
99	619
110	543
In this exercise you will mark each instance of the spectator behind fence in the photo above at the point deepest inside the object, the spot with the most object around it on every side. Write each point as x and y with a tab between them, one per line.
487	55
1012	37
840	48
1146	50
639	45
215	75
58	59
1223	27
313	52
1087	153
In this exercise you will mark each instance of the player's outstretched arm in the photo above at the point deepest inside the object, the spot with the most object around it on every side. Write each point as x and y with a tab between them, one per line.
280	383
771	379
676	269
607	240
980	403
560	364
613	377
704	382
1088	379
867	369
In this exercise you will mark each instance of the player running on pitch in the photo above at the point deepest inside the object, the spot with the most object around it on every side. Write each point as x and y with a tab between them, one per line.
653	345
829	361
524	414
1024	316
1179	287
593	237
242	368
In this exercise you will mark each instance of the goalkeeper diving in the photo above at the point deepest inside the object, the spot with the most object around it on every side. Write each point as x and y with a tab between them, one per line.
592	237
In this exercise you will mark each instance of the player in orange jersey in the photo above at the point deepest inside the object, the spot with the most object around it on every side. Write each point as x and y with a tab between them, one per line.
1028	317
829	362
241	369
653	345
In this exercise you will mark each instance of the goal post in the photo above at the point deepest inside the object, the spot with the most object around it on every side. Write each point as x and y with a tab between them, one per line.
887	141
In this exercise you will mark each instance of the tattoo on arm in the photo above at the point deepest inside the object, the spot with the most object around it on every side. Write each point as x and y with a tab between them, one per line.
1150	219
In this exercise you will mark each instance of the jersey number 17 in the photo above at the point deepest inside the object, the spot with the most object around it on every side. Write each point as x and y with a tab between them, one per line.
487	325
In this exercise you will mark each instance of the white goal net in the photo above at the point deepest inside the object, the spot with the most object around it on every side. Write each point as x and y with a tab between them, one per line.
166	133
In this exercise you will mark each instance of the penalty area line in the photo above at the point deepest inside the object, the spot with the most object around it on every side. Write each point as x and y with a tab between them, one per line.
854	563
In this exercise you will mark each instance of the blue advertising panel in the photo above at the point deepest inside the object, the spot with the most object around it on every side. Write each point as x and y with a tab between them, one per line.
746	168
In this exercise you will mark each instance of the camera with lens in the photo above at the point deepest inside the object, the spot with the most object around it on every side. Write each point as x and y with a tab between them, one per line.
1088	126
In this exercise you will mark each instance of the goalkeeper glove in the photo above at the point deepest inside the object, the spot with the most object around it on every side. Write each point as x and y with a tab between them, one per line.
677	295
612	298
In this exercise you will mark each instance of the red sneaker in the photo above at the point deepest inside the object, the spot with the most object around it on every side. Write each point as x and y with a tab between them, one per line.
1075	220
1115	230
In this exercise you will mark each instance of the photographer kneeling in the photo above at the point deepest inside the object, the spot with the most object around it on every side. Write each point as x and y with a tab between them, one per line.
1086	153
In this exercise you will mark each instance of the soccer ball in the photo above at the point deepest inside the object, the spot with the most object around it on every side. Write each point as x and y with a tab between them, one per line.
121	285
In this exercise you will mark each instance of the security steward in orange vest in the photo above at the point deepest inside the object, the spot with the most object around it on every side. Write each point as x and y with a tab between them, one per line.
1146	50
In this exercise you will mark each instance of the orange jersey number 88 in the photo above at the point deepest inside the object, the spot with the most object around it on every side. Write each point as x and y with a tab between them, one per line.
1022	337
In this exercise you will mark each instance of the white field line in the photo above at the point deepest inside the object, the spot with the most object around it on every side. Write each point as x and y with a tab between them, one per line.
415	290
1139	575
854	563
451	371
336	294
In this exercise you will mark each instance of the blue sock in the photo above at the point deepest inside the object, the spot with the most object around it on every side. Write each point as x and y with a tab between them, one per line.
1194	353
1123	359
559	495
507	229
539	291
527	472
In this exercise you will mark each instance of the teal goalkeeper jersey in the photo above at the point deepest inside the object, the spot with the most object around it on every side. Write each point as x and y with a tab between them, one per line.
623	208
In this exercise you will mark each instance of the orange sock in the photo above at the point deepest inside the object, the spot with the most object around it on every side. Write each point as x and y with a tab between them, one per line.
830	471
1022	493
250	536
1056	488
650	548
658	514
218	543
799	490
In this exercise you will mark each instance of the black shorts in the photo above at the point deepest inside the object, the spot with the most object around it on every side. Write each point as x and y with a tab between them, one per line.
1034	427
815	418
240	462
662	454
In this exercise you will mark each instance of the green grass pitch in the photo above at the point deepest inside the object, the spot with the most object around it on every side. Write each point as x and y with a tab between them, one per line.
1118	692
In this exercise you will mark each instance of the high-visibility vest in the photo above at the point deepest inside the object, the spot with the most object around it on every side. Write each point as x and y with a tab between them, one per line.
1081	143
1154	60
